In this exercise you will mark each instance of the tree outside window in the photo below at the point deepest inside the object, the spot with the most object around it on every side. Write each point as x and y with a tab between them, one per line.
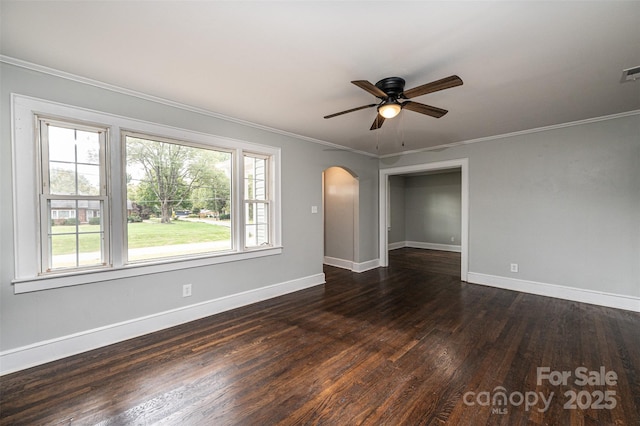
169	185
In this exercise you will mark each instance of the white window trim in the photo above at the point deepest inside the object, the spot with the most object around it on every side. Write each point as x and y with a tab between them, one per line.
26	181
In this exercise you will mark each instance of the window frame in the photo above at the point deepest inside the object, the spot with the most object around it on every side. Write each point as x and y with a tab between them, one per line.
267	200
26	182
45	195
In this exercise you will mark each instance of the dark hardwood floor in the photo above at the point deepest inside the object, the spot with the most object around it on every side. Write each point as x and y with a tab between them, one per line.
409	344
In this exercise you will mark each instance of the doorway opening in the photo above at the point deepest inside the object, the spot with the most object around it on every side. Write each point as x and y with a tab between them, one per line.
385	205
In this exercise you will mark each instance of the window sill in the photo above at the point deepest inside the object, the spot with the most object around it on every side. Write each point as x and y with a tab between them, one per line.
26	285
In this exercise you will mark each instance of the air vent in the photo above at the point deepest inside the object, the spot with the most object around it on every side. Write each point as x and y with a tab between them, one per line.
630	74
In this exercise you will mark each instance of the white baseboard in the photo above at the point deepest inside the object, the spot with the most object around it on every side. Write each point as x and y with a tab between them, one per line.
50	350
338	263
366	266
396	245
350	265
611	300
421	245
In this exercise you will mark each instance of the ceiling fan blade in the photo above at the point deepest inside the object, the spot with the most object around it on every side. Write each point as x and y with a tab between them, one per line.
424	109
349	110
377	123
371	88
434	86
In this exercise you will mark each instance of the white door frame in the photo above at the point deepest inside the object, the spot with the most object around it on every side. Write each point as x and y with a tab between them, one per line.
463	164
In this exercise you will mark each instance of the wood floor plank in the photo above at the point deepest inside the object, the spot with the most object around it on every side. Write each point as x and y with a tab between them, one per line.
407	344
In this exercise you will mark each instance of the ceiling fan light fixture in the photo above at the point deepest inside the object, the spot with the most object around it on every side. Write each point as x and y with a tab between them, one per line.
389	109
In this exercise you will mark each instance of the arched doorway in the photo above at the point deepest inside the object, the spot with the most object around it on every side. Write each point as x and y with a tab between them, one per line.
340	209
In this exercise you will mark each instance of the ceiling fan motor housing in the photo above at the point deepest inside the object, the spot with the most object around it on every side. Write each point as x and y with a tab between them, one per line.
392	86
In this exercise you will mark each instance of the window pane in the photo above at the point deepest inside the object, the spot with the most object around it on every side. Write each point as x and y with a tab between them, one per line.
89	246
74	161
75	239
256	223
255	174
88	180
63	251
88	146
178	199
62	178
62	144
71	179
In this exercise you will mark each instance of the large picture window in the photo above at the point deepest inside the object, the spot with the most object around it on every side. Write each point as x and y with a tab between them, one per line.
73	196
178	199
99	196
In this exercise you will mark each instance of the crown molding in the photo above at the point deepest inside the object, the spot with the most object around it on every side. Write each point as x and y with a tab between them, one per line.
144	96
88	81
518	133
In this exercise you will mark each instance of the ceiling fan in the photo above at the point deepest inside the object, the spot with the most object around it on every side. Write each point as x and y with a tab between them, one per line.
391	90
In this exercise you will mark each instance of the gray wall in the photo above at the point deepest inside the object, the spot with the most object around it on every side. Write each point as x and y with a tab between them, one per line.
34	317
432	208
340	190
426	208
562	203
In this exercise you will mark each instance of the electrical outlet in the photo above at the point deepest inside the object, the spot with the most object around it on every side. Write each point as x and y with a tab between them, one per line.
453	239
186	290
514	267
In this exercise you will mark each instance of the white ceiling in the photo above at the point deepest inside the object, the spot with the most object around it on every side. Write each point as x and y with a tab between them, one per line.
285	65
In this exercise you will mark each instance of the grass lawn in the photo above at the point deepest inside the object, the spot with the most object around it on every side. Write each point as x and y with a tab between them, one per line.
143	234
